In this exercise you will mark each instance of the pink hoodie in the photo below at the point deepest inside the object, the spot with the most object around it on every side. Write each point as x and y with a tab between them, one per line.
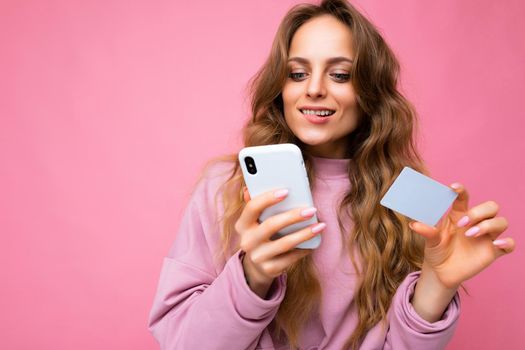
205	304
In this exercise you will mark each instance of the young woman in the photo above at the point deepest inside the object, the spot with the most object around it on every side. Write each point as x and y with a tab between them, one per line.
377	281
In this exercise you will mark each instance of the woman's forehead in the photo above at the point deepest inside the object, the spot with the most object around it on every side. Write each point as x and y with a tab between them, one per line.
320	37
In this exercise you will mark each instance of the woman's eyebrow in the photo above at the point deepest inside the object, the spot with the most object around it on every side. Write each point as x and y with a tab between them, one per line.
331	60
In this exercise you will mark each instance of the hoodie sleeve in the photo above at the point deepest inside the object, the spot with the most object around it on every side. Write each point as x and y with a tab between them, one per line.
408	330
199	305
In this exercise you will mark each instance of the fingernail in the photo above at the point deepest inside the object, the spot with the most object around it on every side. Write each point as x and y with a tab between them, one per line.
320	226
456	185
280	193
501	243
308	212
463	221
472	231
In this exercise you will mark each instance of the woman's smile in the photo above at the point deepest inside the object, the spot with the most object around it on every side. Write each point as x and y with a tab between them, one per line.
317	115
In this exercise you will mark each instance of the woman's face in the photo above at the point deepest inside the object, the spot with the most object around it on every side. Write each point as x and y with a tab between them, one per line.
320	58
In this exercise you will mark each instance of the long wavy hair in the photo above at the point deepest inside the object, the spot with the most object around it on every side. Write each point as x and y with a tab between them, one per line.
381	145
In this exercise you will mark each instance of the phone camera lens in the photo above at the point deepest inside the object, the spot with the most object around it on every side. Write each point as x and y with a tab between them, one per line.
250	165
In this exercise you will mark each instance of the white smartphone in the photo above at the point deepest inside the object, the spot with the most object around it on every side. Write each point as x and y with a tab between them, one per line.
271	167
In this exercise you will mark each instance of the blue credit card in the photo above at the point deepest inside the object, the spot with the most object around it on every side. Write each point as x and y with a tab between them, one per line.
419	197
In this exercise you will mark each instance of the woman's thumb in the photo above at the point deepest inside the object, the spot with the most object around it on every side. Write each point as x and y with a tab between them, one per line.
429	232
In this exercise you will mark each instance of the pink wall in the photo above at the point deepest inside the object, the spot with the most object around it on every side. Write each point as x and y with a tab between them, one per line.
109	109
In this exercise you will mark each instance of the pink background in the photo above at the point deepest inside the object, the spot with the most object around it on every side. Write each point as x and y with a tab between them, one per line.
110	108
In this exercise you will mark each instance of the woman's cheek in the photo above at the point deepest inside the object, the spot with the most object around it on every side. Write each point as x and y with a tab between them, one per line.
344	93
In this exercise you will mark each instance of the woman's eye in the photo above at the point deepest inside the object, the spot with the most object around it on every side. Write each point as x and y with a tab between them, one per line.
296	76
341	76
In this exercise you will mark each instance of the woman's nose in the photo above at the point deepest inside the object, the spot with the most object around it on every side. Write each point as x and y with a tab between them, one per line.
315	86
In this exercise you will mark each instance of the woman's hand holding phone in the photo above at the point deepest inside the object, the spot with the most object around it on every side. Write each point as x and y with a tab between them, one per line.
264	258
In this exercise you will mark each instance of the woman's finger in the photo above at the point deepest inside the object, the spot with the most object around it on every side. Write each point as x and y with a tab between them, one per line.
279	264
460	204
277	222
492	227
479	213
429	232
503	246
254	208
286	243
246	195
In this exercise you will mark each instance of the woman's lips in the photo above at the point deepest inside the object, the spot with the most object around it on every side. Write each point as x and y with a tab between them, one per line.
315	119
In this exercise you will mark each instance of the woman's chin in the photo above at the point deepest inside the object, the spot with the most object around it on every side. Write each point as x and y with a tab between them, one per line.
312	141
